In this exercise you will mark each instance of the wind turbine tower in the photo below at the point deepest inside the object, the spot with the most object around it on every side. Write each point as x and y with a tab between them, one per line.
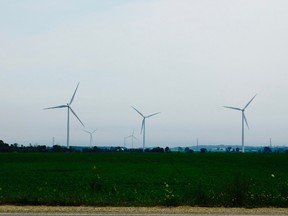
143	124
69	108
243	119
91	136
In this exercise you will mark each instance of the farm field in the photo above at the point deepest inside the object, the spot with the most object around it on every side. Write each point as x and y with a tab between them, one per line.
144	179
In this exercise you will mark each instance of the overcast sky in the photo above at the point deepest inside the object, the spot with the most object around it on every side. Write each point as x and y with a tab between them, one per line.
184	58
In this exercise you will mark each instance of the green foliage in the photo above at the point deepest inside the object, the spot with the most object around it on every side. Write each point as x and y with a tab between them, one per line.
169	198
144	179
238	191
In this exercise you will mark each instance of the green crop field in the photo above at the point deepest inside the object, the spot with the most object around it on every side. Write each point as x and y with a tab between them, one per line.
144	179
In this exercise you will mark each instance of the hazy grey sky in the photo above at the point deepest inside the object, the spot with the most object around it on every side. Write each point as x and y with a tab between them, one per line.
184	58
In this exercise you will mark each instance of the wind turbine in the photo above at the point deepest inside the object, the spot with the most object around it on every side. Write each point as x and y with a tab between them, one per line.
243	119
143	124
68	106
132	137
125	141
91	136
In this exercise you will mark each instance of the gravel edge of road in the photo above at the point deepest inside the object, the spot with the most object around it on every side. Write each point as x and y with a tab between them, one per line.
142	210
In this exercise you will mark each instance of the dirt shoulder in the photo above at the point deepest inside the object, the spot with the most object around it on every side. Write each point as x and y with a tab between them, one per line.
139	210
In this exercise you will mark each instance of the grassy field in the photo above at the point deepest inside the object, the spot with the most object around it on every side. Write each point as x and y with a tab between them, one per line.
144	179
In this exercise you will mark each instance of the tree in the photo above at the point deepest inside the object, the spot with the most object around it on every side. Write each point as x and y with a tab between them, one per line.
4	147
203	150
267	149
157	149
58	148
167	149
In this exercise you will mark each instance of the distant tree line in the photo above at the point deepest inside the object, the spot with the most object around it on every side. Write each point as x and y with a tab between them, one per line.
4	147
121	149
265	149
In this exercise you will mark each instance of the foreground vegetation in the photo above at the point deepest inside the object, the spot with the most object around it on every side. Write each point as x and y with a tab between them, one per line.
144	179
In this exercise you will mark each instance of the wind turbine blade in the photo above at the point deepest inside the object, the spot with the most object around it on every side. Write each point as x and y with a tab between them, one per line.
246	121
61	106
74	94
76	116
249	102
152	114
90	132
138	111
143	125
86	131
235	108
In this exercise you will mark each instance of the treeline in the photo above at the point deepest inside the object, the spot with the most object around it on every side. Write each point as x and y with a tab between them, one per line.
122	149
4	147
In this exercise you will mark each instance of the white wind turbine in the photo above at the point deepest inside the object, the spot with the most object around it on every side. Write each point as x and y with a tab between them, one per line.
243	119
143	124
91	136
132	137
125	141
68	106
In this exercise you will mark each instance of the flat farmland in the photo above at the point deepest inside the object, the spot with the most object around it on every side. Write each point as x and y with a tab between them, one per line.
144	179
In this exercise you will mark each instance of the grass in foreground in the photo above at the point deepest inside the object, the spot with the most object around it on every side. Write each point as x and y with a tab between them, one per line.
144	179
